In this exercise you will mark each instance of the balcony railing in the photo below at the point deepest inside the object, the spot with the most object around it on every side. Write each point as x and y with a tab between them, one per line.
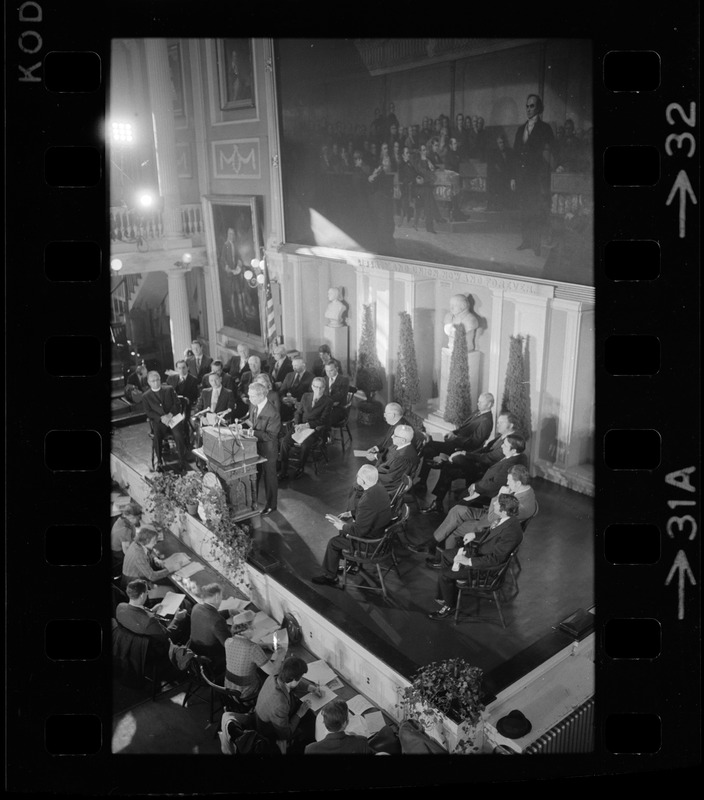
192	219
129	226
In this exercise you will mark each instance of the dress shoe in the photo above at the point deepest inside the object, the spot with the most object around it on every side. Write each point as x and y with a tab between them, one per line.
282	476
434	508
417	548
523	246
461	584
433	564
297	474
267	511
323	580
439	601
441	613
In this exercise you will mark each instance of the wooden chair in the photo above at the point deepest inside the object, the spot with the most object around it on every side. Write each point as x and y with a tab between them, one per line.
483	583
342	427
372	553
229	698
317	454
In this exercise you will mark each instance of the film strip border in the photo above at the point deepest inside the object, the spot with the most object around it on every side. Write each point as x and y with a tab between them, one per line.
647	353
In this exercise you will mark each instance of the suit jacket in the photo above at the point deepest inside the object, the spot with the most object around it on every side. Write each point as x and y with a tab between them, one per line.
495	477
298	391
474	431
279	371
165	401
395	464
529	162
495	544
527	505
205	362
338	391
209	631
371	513
266	430
139	620
274	710
318	416
385	443
490	453
340	743
227	381
225	400
185	387
138	564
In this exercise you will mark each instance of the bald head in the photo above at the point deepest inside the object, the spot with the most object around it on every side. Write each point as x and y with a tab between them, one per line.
393	413
367	476
403	434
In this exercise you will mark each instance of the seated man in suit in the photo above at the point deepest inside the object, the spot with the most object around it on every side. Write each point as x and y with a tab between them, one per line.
294	386
140	562
122	534
237	365
368	513
336	386
217	399
216	368
161	404
463	519
199	363
281	365
398	460
324	357
209	629
469	436
512	450
136	618
488	549
280	715
312	413
471	466
393	414
183	383
336	718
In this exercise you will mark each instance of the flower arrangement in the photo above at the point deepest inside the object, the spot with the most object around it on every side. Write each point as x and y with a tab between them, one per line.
162	500
188	488
452	687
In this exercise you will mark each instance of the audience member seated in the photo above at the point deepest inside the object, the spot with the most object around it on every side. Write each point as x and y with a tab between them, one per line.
271	394
209	629
134	616
243	657
337	742
489	549
336	387
393	415
254	364
367	515
398	460
312	413
140	562
217	398
512	449
122	534
199	364
468	437
463	519
282	717
295	385
183	383
162	404
237	365
216	368
324	357
281	365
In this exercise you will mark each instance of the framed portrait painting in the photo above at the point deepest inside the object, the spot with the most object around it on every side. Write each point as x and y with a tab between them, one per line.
235	73
176	75
233	240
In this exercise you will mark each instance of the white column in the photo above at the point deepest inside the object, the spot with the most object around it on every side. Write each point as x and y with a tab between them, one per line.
179	318
163	120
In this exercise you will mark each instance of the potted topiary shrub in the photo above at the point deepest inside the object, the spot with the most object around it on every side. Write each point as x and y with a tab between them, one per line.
450	688
368	377
188	489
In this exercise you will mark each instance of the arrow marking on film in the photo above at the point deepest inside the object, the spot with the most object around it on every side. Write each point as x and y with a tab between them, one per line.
681	566
684	187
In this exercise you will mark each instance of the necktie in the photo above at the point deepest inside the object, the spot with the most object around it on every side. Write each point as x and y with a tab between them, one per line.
254	416
295	380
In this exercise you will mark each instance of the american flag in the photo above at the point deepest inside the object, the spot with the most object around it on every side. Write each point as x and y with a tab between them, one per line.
270	318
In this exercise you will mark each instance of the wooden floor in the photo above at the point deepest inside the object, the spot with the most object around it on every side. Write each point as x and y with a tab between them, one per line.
556	578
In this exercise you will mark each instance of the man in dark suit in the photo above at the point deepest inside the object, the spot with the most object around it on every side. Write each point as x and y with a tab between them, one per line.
265	423
336	387
495	477
183	383
161	404
469	436
294	386
217	398
399	460
281	367
138	619
393	415
368	514
336	717
216	368
532	153
489	549
237	365
471	466
198	363
312	413
209	629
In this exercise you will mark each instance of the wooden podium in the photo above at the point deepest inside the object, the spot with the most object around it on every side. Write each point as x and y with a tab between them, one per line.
240	483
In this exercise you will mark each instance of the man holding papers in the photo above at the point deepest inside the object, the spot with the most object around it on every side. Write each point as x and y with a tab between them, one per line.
336	718
311	420
162	406
367	515
136	618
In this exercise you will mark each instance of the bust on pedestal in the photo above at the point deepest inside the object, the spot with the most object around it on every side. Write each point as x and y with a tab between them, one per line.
336	328
460	313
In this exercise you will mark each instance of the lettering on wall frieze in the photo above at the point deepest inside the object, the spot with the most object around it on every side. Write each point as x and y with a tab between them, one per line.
236	158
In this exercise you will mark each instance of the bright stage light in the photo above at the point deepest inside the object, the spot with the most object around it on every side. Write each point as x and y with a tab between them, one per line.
116	264
121	133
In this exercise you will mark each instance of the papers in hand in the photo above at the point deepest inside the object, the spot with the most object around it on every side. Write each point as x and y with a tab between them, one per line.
319	702
359	704
234	604
363	454
176	561
472	496
332	518
175	420
188	570
320	672
170	604
301	436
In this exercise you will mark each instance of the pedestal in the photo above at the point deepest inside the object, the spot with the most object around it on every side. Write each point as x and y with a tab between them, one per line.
339	341
435	421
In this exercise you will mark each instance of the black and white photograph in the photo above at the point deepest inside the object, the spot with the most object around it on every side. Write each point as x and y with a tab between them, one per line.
352	403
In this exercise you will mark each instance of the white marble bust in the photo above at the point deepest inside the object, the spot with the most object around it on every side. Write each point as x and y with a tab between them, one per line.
335	311
459	314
